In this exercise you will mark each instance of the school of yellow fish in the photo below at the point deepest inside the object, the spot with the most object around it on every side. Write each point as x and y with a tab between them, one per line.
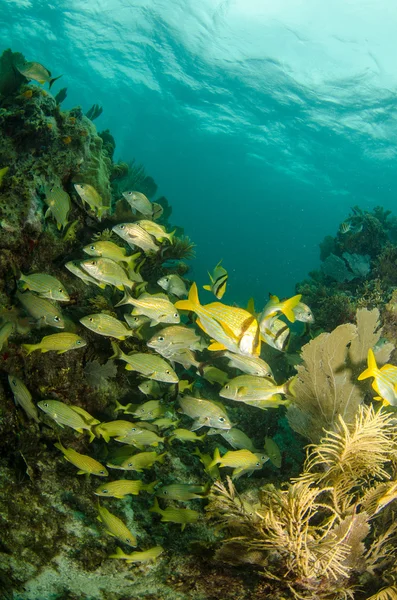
185	328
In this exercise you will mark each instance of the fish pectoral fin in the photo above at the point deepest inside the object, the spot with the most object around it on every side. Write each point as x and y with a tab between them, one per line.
154	322
183	526
80	472
242	390
216	346
128	367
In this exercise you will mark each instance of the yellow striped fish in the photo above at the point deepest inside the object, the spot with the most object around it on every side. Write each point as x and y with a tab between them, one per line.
249	387
107	271
23	397
139	202
113	429
149	365
108	249
74	267
104	324
156	307
186	435
90	196
45	285
218	280
236	438
181	491
59	342
182	516
63	414
124	487
115	526
136	236
140	438
204	412
152	409
139	462
138	557
251	365
41	309
85	464
156	230
59	205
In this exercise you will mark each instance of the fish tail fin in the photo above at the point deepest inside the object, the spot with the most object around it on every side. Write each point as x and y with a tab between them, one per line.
117	351
171	236
207	287
161	457
251	306
92	435
156	507
119	554
54	79
290	386
216	459
289	305
59	445
372	366
150	487
132	260
192	302
125	299
29	347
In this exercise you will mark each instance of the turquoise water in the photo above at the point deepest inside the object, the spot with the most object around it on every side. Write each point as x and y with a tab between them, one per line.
261	122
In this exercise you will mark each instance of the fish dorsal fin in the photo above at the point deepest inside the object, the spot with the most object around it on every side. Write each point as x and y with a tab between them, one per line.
251	306
215	346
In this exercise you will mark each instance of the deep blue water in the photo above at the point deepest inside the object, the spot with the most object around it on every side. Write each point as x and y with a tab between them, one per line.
262	122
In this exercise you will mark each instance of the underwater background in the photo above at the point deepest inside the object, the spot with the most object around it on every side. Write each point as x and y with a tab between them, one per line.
198	300
275	117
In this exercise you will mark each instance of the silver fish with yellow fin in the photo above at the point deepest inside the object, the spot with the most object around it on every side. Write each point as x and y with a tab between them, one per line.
138	557
35	71
149	365
139	462
113	429
175	337
275	306
249	387
23	397
156	230
57	342
152	409
107	271
105	324
151	388
140	437
239	460
135	236
74	267
59	204
204	412
183	492
218	280
41	309
173	284
251	365
139	202
108	249
182	516
186	435
85	464
90	196
155	306
63	414
135	322
124	487
46	286
115	526
236	438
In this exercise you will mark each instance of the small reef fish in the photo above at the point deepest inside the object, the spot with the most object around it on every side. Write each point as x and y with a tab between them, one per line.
175	337
218	280
184	385
36	71
303	313
206	460
115	526
41	309
249	387
156	230
139	202
139	462
184	357
151	388
135	322
104	324
181	491
135	236
57	342
165	422
107	271
275	306
157	211
345	227
235	437
74	267
90	196
204	412
140	438
23	397
113	429
214	375
5	332
156	307
149	365
152	409
186	435
173	284
138	557
182	516
251	365
59	204
275	333
385	379
239	460
273	452
45	285
124	487
63	414
107	249
232	328
86	415
85	464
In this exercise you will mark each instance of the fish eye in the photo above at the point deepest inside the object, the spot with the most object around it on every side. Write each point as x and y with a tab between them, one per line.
263	457
78	342
93	262
60	290
176	315
130	193
92	247
168	372
102	473
136	319
227	387
45	404
128	540
14	382
122	227
129	464
165	492
160	338
56	319
258	464
166	279
221	419
90	319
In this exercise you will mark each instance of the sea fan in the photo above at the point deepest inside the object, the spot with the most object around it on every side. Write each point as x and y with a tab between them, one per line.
97	375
